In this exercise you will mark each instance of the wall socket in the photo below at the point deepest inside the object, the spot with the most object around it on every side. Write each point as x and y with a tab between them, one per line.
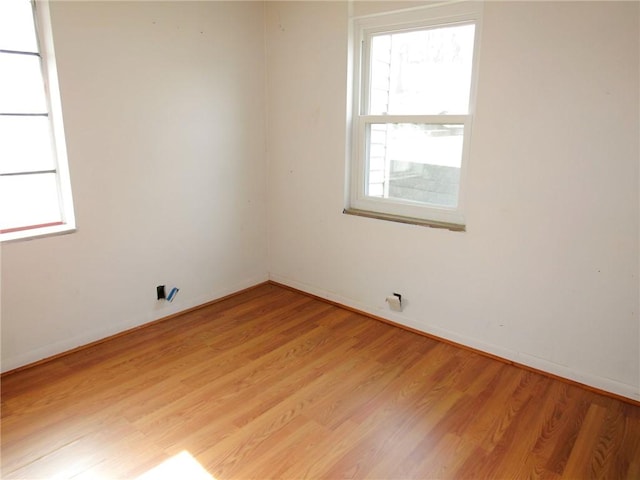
395	302
162	294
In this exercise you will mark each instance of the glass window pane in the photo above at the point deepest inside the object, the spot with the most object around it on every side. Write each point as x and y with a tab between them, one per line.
25	144
422	72
415	162
21	84
28	200
17	30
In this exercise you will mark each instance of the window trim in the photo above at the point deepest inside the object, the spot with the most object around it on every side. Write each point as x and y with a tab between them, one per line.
46	52
362	30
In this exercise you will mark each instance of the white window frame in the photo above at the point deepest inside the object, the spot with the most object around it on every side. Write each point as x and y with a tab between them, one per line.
362	31
42	21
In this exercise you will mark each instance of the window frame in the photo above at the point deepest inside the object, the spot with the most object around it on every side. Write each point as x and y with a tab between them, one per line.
363	29
46	53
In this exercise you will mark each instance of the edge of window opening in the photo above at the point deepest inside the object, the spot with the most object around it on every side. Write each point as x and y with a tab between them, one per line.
44	35
27	234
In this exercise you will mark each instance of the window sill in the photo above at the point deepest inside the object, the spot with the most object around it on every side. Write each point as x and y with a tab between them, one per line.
33	233
409	220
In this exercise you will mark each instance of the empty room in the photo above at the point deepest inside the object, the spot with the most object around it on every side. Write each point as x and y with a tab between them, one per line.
320	239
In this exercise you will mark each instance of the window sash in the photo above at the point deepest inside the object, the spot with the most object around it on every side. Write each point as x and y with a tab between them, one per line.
395	206
33	210
366	40
22	85
30	147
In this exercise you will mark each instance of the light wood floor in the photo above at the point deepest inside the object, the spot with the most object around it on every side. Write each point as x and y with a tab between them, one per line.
274	384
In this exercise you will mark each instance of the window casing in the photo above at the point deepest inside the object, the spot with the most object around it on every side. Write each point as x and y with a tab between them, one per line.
414	75
35	190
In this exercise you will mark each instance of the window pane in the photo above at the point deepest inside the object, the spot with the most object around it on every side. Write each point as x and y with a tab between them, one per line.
28	200
21	84
17	30
25	144
415	162
422	72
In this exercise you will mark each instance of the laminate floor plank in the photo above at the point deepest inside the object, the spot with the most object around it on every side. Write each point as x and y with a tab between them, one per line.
271	383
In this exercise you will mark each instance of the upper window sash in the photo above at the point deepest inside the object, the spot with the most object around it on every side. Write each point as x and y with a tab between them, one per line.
365	67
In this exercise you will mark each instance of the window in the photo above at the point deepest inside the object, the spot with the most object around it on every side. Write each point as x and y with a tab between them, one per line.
35	192
414	77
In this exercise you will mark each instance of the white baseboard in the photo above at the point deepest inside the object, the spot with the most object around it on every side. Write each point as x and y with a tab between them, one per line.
86	338
601	383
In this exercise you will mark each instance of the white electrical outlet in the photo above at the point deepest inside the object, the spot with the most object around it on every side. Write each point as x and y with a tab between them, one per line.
395	302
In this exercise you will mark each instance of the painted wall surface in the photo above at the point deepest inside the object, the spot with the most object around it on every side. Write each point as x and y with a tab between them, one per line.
164	108
547	272
164	116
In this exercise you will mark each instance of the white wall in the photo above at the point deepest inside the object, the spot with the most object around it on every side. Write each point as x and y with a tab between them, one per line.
547	273
164	108
164	116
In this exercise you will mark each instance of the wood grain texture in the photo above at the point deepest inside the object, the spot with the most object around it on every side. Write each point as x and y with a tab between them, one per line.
275	384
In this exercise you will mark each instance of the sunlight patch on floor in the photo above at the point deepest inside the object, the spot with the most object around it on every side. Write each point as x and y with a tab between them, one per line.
182	465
